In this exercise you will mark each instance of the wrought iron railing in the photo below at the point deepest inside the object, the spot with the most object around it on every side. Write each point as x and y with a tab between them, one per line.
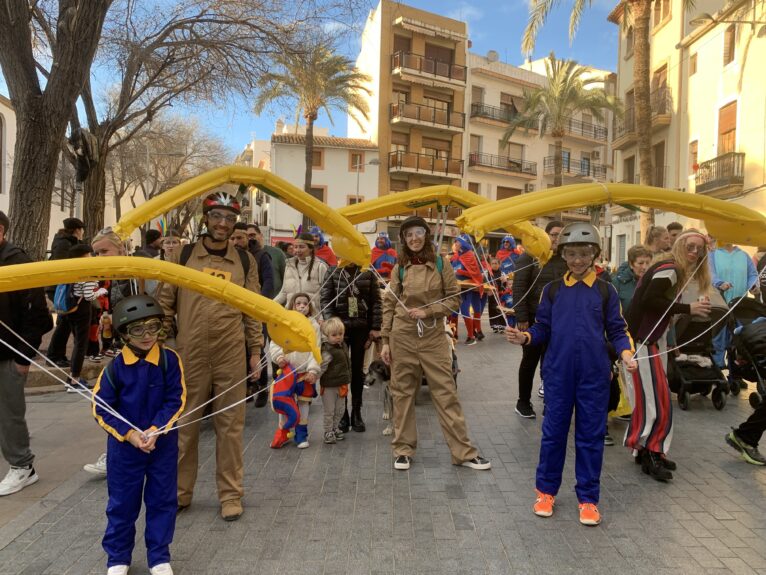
447	167
502	163
570	167
410	61
427	114
586	129
481	110
661	102
725	170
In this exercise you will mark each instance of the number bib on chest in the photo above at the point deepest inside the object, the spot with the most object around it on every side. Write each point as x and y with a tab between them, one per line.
224	275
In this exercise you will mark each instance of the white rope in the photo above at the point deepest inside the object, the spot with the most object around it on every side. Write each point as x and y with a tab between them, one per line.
672	303
485	274
710	328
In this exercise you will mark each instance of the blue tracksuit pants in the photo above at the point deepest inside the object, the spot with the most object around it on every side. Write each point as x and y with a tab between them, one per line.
588	395
131	476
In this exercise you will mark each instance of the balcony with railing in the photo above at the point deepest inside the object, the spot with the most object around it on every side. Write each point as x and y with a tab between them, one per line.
624	129
585	130
421	115
411	162
721	176
502	163
493	113
661	104
661	110
575	168
408	63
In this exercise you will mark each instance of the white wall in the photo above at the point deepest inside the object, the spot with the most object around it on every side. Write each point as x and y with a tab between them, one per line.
288	162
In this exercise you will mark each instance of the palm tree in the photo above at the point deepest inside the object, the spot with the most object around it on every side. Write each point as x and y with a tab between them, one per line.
550	108
318	79
638	13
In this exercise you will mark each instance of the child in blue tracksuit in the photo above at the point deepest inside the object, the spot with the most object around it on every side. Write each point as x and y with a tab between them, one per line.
145	386
576	317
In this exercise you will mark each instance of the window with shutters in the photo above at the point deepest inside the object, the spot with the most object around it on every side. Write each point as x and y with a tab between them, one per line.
692	64
399	185
693	159
439	53
477	95
504	192
661	12
508	105
399	142
727	129
729	42
475	144
401	44
356	161
473	187
435	148
629	42
317	159
511	150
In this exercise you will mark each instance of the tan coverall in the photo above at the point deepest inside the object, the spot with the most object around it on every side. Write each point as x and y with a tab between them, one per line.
413	356
211	341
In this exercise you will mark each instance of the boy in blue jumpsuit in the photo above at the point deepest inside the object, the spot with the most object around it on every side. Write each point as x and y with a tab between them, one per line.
145	385
575	318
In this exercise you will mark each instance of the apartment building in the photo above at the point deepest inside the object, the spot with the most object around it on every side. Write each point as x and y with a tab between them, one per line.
417	64
707	87
525	164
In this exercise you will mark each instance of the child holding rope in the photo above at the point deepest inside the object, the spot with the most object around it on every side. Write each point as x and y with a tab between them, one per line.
577	316
145	385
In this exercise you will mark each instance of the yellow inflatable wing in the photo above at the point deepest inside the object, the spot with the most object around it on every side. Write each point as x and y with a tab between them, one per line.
535	241
347	242
727	221
289	329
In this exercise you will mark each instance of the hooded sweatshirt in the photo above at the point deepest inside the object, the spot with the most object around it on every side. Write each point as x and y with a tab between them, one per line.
323	250
383	258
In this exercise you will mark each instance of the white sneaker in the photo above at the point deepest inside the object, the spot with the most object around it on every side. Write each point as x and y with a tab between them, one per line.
303	444
540	391
161	569
118	570
98	468
17	479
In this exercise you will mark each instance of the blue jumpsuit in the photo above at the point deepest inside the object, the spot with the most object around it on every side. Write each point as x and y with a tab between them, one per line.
577	372
139	391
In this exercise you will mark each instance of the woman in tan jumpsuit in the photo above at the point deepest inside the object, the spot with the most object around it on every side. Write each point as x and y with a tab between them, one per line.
415	345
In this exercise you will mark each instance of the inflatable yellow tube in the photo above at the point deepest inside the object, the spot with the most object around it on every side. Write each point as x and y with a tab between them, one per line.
726	221
347	242
290	329
535	241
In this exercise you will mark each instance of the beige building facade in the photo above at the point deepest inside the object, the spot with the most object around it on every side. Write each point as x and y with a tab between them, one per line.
708	105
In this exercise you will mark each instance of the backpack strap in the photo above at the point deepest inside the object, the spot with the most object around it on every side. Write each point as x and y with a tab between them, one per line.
186	252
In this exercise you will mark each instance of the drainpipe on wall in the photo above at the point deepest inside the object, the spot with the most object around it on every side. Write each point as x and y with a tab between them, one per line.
681	67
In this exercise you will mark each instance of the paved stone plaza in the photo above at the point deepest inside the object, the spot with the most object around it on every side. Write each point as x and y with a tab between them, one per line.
344	509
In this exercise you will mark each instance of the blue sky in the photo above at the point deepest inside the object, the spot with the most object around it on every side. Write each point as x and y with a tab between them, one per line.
492	25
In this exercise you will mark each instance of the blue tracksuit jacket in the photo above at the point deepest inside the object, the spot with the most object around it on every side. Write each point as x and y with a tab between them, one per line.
577	372
149	397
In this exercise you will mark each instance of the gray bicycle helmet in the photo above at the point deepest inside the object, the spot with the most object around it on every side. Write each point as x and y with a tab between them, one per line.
135	308
580	233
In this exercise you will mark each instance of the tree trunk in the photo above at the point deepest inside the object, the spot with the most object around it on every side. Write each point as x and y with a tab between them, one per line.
94	197
310	118
642	11
35	164
558	163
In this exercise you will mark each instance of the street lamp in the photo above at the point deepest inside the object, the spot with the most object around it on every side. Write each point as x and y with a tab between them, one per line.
358	167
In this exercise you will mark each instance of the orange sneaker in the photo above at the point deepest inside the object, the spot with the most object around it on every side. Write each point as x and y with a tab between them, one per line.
589	514
543	505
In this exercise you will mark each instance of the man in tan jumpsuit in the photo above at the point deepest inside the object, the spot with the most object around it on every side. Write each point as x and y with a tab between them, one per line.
211	341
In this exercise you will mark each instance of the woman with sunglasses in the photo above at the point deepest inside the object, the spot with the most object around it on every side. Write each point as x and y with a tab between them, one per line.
422	293
655	301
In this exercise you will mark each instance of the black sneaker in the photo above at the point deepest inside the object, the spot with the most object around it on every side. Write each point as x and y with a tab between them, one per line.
470	341
477	462
748	452
402	462
525	410
608	440
480	336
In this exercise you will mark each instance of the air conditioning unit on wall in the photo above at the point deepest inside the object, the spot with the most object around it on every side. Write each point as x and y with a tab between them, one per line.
529	188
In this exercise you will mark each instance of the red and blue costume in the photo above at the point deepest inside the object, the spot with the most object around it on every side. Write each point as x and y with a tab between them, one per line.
577	371
150	393
507	255
468	269
322	249
283	393
383	256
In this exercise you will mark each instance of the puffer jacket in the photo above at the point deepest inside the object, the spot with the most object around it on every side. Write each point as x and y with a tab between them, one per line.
528	284
61	244
298	279
625	283
302	361
364	288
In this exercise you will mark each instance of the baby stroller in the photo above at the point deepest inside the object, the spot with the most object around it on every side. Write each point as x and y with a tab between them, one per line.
746	358
691	368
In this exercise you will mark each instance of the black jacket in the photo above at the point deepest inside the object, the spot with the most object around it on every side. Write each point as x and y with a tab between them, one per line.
366	291
528	284
265	269
61	244
25	311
